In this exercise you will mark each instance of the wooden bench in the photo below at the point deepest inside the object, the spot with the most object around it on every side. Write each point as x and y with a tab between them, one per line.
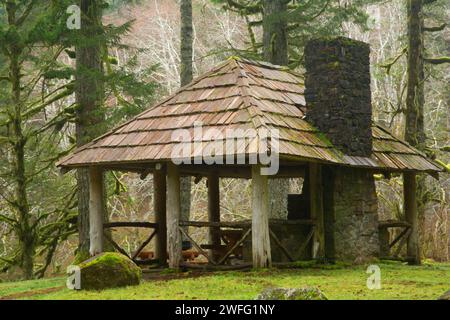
188	255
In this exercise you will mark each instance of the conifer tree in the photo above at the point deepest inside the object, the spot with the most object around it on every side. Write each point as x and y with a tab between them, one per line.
32	80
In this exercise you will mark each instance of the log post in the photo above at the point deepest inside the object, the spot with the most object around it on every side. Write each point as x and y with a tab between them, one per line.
410	206
159	207
96	210
328	182
384	236
173	215
214	212
260	220
316	201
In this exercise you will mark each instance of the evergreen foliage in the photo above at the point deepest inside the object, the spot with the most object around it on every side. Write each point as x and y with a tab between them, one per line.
37	113
304	20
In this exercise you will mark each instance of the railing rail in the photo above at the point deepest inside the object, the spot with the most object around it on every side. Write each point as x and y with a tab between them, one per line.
133	224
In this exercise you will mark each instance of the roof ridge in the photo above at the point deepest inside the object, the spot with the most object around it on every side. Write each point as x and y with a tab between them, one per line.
115	129
268	65
262	63
252	108
244	87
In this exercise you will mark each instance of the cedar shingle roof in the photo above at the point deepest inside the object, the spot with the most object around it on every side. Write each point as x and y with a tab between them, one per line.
239	94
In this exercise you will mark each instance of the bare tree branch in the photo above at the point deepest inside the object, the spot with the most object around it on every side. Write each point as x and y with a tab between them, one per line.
437	60
435	29
389	64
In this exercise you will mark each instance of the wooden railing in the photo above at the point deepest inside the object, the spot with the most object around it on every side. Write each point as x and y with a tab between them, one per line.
128	224
385	245
231	246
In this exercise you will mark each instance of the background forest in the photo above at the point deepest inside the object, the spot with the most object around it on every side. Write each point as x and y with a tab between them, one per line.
61	87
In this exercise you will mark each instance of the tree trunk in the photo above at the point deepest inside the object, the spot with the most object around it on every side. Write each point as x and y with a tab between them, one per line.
186	42
185	78
410	207
275	50
25	231
27	237
89	96
275	44
415	98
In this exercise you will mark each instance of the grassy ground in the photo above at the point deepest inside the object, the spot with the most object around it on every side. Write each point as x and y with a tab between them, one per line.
398	282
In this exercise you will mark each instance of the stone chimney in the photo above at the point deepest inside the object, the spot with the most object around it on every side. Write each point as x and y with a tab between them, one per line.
338	102
338	94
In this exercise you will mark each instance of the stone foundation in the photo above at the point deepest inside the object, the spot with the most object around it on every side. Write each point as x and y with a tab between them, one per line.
355	227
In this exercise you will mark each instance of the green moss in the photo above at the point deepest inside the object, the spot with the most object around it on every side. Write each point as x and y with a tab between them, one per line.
334	65
345	41
234	58
109	270
107	258
324	139
80	257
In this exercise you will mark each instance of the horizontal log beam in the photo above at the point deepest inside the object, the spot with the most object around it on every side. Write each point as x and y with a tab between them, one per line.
130	224
242	172
204	224
209	267
393	224
148	262
307	222
244	224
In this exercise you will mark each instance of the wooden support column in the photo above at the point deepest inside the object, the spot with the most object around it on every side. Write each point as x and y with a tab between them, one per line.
260	219
410	205
316	201
384	238
173	215
96	210
214	211
328	182
159	207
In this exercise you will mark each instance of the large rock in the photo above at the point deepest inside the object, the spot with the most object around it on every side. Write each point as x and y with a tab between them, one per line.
445	296
109	270
291	294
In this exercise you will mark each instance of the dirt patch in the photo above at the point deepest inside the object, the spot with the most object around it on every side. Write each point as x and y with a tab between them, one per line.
31	293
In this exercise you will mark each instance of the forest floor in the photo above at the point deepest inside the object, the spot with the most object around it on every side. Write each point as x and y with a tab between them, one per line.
398	281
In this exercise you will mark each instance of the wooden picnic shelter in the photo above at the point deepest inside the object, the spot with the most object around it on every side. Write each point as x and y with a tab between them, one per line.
245	95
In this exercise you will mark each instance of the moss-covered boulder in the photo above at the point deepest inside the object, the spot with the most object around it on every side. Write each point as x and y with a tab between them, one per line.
109	270
291	294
